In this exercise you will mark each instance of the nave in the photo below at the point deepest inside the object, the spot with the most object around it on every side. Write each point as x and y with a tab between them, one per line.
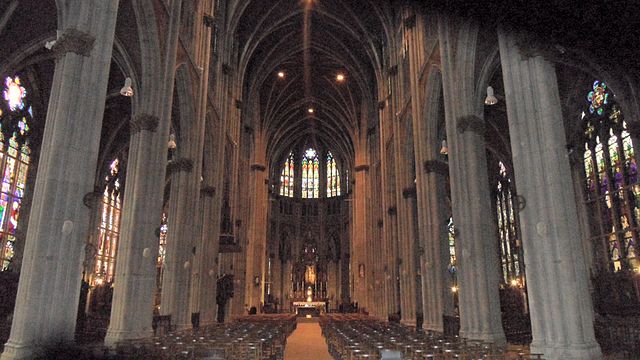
192	162
338	336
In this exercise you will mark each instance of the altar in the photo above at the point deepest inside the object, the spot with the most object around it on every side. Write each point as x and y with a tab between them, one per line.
313	308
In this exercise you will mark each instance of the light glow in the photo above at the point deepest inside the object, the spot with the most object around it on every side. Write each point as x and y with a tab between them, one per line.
14	93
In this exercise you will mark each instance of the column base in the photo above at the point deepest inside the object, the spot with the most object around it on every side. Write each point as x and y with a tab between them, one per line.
408	322
565	352
114	337
17	351
493	337
439	328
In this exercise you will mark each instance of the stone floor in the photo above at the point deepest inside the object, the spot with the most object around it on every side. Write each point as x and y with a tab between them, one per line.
307	342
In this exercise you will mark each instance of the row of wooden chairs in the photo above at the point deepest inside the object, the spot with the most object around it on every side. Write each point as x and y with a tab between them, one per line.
358	337
257	337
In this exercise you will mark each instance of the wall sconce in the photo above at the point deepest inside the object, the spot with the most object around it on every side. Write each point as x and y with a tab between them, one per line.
491	98
256	281
127	90
444	150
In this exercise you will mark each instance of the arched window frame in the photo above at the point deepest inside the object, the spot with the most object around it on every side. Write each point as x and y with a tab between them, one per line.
310	174
333	176
611	175
287	176
16	114
109	228
508	230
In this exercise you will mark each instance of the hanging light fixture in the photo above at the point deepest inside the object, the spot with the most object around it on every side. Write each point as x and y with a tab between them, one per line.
127	90
444	150
172	141
491	98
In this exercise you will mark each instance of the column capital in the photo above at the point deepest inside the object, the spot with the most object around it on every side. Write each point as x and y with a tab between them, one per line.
208	190
436	166
90	199
409	192
362	167
471	123
143	121
75	41
392	210
634	128
410	21
179	165
258	167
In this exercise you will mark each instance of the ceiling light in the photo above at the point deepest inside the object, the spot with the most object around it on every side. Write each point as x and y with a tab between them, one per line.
491	98
310	110
444	150
340	77
172	141
127	90
281	74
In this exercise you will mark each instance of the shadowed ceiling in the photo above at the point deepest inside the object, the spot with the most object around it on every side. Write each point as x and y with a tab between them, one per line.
311	42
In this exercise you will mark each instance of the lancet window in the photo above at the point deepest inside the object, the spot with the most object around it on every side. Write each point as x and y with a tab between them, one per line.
109	226
611	176
162	249
510	248
287	176
333	177
16	115
310	175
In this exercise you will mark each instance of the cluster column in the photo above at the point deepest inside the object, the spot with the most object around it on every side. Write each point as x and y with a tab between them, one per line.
179	258
559	299
478	275
49	287
358	251
434	266
207	253
135	285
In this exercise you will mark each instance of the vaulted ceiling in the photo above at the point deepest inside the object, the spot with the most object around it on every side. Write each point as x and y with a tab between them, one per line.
311	42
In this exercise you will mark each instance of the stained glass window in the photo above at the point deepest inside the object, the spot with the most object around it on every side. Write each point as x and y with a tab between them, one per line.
611	175
310	175
162	249
15	116
451	236
109	227
333	177
286	177
453	268
508	231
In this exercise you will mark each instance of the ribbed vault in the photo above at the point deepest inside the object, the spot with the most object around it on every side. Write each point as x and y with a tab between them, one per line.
345	37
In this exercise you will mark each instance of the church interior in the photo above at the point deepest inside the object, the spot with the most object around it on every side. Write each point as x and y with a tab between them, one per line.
319	179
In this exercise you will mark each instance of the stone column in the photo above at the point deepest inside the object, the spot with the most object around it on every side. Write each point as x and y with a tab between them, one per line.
478	265
559	299
178	264
135	284
434	266
207	253
256	244
49	288
358	251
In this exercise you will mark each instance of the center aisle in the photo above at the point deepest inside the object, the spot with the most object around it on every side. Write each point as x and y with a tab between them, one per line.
306	342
